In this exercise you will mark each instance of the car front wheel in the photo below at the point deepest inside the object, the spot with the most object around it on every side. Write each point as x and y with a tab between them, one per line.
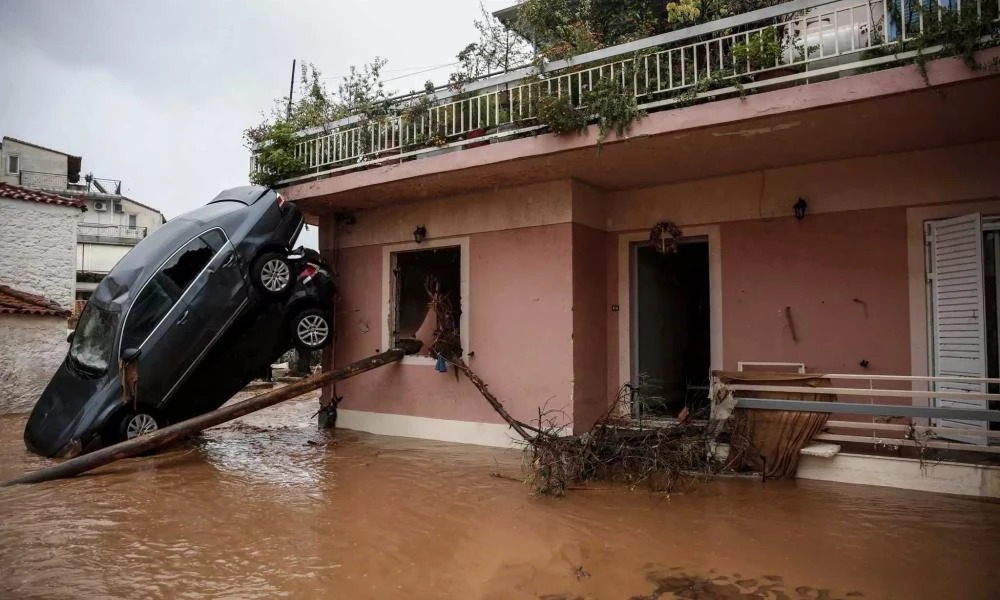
272	273
136	424
311	329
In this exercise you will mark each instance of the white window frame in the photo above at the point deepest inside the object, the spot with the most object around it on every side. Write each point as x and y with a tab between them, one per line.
388	285
7	166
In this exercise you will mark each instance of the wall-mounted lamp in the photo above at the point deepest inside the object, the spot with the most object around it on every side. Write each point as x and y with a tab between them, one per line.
800	209
419	234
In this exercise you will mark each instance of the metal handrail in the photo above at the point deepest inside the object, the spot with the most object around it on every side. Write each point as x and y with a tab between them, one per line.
111	231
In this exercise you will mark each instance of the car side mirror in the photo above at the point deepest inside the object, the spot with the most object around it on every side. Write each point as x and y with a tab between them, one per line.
130	354
69	337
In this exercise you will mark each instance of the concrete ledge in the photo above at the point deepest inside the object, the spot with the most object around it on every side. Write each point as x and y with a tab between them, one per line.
904	473
442	430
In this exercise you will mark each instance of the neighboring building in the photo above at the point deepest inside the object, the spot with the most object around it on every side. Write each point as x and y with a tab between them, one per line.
111	225
37	275
37	167
814	213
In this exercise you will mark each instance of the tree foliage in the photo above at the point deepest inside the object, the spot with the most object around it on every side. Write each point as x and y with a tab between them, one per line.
497	50
274	138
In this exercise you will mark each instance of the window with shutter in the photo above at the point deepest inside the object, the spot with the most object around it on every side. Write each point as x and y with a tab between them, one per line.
955	272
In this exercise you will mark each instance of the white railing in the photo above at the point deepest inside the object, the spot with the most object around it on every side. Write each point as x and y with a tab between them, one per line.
926	418
818	38
117	234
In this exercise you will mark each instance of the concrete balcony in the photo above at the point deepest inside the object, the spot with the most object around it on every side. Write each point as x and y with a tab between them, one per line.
819	40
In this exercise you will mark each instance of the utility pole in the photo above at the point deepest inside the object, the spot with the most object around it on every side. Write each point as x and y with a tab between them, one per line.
291	90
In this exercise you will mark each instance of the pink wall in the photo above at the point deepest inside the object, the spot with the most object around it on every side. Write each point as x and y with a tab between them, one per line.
818	267
590	335
521	298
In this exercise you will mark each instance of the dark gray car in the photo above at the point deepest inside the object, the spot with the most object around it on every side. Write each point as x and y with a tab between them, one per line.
209	300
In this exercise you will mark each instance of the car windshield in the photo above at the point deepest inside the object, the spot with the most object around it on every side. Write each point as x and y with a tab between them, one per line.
93	339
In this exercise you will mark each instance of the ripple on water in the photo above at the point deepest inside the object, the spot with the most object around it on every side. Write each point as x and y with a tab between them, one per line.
254	510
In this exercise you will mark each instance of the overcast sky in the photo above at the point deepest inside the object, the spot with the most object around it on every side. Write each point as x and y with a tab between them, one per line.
157	93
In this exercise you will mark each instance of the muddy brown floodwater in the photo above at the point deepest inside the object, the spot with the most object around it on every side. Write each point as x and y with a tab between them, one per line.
270	507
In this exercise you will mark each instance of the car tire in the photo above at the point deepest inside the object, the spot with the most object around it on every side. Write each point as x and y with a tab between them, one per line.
273	274
136	423
311	329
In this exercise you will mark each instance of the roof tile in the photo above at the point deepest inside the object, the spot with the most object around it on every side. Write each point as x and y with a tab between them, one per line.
17	302
19	193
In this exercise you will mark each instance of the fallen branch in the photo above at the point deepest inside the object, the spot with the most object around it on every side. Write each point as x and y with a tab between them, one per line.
519	427
172	433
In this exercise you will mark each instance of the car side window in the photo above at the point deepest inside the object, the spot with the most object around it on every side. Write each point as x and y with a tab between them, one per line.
164	290
186	264
215	239
153	303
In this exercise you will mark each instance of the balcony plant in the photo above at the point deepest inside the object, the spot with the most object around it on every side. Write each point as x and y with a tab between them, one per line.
761	51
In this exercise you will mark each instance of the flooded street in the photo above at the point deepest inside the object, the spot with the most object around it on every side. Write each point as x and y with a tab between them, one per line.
270	507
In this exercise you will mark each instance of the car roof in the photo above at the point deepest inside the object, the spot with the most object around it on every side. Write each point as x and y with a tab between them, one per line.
247	194
141	262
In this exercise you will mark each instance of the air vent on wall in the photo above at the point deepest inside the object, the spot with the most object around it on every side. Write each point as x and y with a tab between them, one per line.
100	206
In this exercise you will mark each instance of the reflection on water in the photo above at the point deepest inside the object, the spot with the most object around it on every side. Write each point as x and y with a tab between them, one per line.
270	507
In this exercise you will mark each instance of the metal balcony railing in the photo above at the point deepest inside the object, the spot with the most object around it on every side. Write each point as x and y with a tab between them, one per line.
110	234
818	39
59	182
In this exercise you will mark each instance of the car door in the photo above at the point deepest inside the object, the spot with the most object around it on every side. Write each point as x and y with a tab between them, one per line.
162	326
219	293
216	297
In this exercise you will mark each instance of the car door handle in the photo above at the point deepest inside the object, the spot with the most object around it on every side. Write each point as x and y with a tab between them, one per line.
183	318
229	261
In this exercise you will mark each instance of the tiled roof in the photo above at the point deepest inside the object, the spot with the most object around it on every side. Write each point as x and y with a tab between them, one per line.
19	193
17	302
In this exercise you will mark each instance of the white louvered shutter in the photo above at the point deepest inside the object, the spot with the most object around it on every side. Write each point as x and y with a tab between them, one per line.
955	265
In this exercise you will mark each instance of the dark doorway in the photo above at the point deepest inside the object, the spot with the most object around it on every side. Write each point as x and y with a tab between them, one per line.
671	336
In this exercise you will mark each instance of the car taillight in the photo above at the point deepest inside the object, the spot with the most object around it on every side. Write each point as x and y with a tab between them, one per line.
307	273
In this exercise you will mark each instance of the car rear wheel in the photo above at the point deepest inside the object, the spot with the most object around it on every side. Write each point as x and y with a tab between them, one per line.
272	274
311	329
135	424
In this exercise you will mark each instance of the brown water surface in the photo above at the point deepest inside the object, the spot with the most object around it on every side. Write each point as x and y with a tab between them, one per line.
270	507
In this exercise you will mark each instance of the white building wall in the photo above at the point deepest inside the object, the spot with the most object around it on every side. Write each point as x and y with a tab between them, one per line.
37	249
99	258
32	349
34	160
145	217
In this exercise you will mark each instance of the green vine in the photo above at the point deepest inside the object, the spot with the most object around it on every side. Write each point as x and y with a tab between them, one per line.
607	103
614	107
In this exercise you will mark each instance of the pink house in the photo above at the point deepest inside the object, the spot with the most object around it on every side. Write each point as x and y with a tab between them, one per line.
544	242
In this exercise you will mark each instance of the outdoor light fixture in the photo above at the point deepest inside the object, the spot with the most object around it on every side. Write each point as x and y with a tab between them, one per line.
800	209
419	234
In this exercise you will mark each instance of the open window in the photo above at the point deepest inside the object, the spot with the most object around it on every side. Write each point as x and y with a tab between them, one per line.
13	164
426	303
